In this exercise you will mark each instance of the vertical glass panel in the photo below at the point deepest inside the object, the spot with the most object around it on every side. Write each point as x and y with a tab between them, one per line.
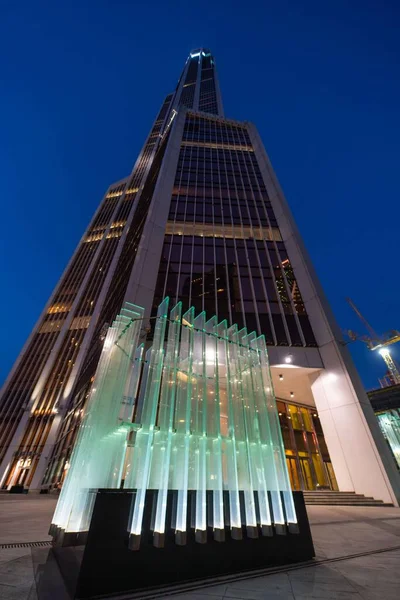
294	416
162	447
305	413
319	471
243	465
214	448
276	436
312	442
98	456
300	442
293	473
199	422
323	447
317	423
306	471
227	415
139	474
331	475
287	442
183	418
131	387
262	457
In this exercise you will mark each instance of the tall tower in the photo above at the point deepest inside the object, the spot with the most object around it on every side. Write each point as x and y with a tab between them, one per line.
201	219
36	394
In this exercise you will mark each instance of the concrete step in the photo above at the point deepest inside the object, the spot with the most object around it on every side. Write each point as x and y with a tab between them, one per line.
331	492
335	498
338	497
348	502
344	502
354	499
375	504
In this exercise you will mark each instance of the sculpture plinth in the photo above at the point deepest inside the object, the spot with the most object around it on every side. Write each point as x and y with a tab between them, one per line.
190	431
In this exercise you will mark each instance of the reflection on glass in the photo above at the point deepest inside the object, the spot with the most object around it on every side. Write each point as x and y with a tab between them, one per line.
293	473
319	471
305	448
306	419
389	422
295	417
306	472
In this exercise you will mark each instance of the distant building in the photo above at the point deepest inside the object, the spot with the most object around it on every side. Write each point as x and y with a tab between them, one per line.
386	404
201	219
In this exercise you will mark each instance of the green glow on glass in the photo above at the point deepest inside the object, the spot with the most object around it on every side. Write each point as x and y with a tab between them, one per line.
145	436
199	414
162	450
98	455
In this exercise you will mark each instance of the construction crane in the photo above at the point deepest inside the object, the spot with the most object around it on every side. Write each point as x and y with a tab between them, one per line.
376	342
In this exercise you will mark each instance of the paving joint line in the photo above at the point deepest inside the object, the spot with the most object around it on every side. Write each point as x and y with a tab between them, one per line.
193	586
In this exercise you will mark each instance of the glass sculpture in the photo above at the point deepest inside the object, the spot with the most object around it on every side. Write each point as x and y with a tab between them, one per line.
192	414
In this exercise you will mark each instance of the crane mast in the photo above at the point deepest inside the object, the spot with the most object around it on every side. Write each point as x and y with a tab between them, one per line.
368	327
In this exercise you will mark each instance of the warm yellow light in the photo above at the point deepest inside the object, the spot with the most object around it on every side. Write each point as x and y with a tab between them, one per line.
58	308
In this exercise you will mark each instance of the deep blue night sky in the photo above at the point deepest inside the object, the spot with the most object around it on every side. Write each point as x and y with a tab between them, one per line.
81	83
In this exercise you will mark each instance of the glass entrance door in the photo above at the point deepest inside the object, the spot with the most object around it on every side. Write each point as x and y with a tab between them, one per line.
331	475
293	473
307	474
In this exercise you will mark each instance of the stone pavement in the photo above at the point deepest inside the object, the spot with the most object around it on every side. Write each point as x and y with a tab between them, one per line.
25	517
339	533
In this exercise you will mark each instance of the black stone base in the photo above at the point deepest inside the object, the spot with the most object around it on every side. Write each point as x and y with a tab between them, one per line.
105	564
18	489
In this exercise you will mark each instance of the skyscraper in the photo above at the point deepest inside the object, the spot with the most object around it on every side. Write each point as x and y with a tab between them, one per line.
201	219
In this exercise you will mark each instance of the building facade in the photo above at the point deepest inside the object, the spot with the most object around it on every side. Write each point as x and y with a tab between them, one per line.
202	220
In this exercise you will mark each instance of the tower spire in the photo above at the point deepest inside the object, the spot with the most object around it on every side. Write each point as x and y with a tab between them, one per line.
198	86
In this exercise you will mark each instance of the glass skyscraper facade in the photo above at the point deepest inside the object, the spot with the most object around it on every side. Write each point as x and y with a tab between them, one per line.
202	220
223	251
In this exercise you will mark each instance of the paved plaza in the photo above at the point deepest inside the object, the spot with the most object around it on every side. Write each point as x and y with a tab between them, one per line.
357	557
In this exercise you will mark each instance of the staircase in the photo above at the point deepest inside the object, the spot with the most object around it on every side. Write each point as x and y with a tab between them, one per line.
331	498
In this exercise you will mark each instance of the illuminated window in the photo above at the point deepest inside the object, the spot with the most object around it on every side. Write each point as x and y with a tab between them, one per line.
58	308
